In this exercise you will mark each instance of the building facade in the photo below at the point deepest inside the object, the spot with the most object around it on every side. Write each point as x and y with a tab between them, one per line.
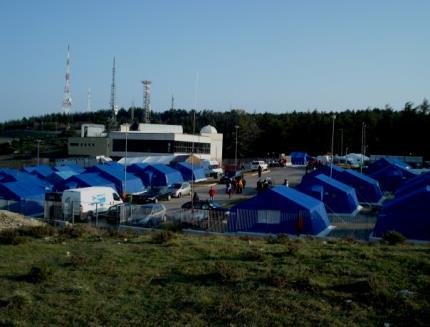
147	140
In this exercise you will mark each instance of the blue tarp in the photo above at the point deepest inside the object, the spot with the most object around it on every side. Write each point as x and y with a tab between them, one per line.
385	162
41	171
84	180
27	199
114	172
366	188
413	184
392	177
70	167
337	197
279	210
156	175
25	178
58	177
189	172
299	158
408	215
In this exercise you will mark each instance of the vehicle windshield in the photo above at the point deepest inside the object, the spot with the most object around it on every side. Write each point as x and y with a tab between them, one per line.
176	185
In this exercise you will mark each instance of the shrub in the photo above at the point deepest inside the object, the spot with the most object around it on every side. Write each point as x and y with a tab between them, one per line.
11	237
228	273
162	237
39	273
393	238
19	300
174	226
252	254
279	239
37	231
123	234
77	231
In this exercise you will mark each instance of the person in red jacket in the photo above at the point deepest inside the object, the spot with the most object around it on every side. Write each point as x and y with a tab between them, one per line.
212	193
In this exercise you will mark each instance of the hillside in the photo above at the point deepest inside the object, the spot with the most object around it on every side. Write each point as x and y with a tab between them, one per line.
81	276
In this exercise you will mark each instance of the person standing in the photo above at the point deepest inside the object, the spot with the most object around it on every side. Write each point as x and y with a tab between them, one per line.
212	193
286	182
260	169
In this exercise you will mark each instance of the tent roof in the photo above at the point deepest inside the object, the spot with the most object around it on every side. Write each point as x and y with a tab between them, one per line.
41	170
148	159
70	167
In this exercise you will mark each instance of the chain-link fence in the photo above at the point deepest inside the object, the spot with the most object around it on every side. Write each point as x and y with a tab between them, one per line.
276	222
207	220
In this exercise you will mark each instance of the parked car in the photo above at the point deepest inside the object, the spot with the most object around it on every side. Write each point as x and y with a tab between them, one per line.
152	196
145	215
274	163
230	176
203	205
179	189
256	163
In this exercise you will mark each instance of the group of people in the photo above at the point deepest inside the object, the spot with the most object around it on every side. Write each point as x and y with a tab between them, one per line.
236	185
263	184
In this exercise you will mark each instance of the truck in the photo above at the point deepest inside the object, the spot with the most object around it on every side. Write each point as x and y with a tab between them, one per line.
212	168
81	204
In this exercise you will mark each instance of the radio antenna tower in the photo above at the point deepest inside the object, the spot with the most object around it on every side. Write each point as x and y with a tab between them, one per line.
67	101
146	100
89	100
113	106
172	107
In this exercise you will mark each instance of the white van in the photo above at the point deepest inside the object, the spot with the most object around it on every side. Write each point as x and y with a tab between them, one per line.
212	168
83	203
259	163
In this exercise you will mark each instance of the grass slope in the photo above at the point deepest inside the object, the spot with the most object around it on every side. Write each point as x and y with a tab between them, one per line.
77	277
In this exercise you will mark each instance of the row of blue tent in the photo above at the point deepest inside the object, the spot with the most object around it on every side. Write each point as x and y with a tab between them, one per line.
27	187
305	208
409	212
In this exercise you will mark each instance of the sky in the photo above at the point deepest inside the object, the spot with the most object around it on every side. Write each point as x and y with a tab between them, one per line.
261	56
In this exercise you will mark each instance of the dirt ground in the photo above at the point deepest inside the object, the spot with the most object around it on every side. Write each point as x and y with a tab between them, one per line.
13	220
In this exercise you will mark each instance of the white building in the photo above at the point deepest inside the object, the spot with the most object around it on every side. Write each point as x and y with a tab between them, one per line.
147	140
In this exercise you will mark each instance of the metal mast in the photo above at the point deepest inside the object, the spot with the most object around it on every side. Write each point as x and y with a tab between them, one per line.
67	101
146	100
89	100
173	103
113	106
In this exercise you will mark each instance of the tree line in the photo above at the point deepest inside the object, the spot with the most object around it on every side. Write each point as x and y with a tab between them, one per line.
387	131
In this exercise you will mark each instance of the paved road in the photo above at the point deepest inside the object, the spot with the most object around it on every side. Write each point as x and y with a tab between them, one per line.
277	175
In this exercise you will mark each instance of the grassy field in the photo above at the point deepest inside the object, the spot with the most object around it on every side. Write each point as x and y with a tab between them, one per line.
88	277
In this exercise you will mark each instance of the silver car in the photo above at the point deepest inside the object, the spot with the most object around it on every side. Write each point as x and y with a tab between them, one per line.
179	189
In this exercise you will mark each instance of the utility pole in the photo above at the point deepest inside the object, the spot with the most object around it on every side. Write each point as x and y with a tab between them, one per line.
113	106
38	151
147	100
363	144
235	149
332	146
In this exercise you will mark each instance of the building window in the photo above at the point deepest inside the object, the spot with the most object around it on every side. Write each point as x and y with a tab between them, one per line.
74	144
160	146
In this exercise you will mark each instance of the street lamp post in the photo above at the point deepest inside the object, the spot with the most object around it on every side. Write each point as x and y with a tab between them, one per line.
38	151
235	149
363	146
332	146
124	189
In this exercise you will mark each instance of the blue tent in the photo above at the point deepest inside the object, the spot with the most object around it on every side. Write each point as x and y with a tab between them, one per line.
299	158
280	210
190	172
58	177
392	177
366	188
27	199
156	175
25	178
70	167
413	184
114	172
337	197
41	171
385	162
84	180
408	215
